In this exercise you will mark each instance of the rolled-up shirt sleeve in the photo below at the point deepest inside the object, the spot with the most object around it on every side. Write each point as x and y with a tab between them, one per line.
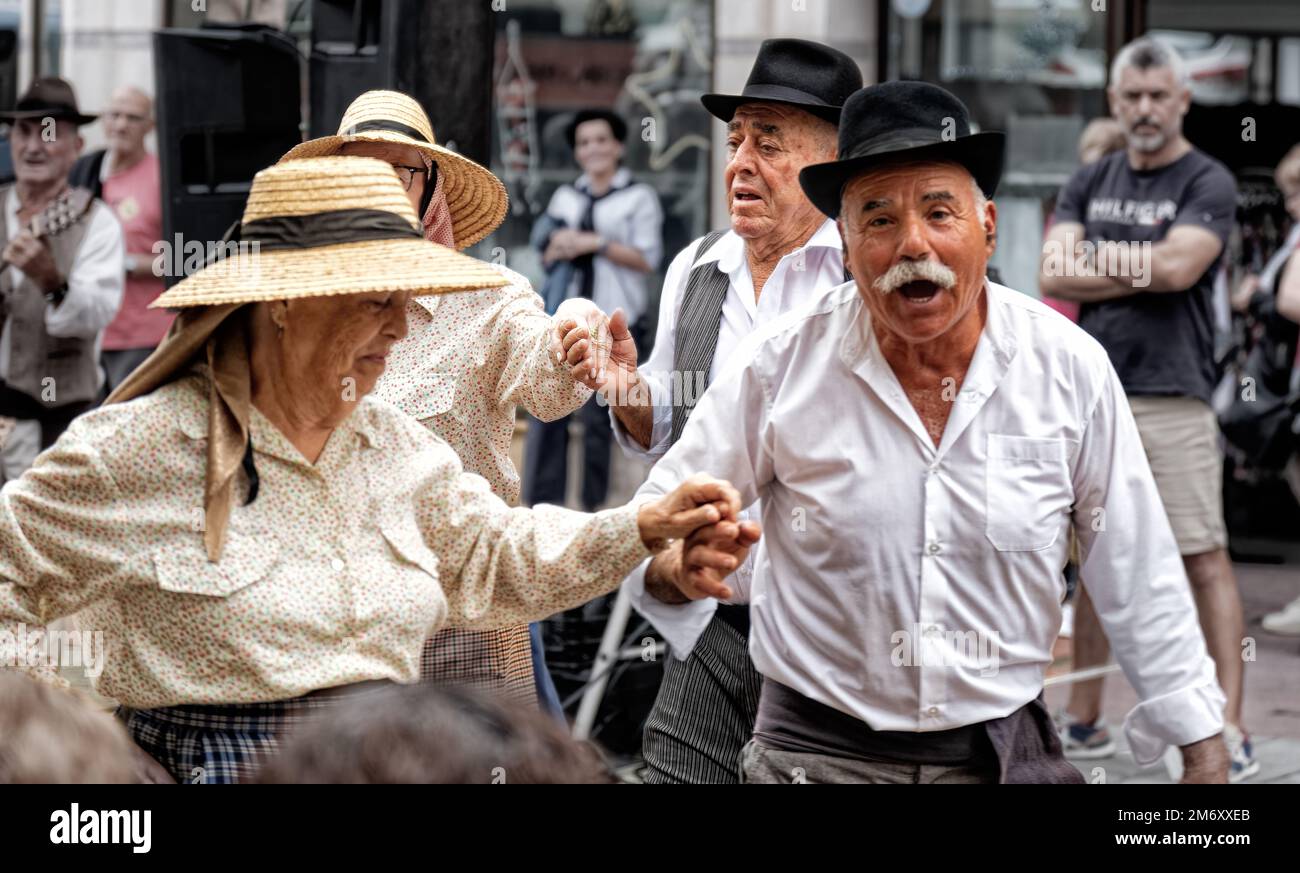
726	437
1133	571
95	282
500	565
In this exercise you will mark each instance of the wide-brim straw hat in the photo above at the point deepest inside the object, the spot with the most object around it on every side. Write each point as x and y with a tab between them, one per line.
329	226
476	198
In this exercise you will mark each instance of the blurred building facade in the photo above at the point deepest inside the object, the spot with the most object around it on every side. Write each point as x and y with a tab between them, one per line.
1034	68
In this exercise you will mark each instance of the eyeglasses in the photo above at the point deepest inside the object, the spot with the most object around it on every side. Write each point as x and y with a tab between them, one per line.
408	174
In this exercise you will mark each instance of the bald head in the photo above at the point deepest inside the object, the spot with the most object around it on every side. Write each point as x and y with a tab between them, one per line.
128	121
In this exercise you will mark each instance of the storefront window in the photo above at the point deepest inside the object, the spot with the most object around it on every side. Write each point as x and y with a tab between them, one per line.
648	60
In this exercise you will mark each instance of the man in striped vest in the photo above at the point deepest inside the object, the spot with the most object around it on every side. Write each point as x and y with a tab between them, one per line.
779	256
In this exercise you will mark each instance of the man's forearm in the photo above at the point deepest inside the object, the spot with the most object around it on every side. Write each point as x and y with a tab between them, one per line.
1086	289
635	411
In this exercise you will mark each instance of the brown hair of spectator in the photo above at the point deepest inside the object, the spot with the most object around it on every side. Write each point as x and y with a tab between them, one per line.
48	735
425	734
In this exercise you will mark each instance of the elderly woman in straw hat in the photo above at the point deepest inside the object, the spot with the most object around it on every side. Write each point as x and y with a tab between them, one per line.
252	532
471	357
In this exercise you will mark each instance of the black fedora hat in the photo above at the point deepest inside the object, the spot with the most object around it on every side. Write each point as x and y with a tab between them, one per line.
903	121
617	126
48	97
814	77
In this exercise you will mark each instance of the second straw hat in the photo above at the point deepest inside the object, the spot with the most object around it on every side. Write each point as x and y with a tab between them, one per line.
329	226
476	198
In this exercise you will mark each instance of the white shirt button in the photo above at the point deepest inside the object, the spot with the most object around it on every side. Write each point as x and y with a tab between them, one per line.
337	565
933	712
934	548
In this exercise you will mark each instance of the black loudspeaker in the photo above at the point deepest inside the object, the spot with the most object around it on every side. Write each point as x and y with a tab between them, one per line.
438	51
229	103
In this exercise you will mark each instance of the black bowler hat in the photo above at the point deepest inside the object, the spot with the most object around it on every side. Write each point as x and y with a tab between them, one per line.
903	121
48	97
813	77
617	125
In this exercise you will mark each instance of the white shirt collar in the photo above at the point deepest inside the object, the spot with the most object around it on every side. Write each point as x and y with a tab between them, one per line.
730	250
621	179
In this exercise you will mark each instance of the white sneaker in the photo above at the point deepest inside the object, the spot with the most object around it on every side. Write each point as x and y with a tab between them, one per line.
1242	752
1285	621
1084	742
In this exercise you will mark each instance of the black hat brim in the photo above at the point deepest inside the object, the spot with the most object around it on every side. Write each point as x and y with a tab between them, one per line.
58	114
723	106
980	153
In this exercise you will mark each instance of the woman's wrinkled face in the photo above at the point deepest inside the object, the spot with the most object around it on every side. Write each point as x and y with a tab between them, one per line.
407	161
335	348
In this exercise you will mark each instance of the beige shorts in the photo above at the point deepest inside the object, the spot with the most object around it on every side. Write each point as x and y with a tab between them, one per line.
1181	438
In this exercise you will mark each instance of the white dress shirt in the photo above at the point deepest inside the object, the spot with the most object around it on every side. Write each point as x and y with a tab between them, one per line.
800	279
631	216
95	281
880	549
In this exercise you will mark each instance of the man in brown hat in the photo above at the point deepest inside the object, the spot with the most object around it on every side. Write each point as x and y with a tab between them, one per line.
59	287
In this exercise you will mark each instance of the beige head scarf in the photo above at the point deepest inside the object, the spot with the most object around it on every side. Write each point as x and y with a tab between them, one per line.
215	338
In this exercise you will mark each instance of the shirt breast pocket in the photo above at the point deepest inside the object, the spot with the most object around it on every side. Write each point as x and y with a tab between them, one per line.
245	561
405	539
1027	490
432	395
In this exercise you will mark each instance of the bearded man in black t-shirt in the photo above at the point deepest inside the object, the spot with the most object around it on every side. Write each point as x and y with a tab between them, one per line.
1137	240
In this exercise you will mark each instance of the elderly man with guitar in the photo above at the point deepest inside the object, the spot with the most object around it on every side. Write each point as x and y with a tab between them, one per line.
61	255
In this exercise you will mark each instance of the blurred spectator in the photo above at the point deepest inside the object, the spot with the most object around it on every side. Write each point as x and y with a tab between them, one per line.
1101	137
48	735
602	235
61	290
1152	221
425	734
1284	271
126	177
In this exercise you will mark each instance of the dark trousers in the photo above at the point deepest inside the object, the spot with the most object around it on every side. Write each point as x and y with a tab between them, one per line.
119	363
704	714
53	420
546	458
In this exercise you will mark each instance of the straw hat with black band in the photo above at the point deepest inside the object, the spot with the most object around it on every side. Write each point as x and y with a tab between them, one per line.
314	228
476	198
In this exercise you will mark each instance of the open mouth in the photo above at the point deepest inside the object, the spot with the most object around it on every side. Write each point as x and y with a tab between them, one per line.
745	196
919	291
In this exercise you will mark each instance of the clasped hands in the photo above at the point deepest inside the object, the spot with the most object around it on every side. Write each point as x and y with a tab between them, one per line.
698	536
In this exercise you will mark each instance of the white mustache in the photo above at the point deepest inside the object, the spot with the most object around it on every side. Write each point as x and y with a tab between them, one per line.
914	271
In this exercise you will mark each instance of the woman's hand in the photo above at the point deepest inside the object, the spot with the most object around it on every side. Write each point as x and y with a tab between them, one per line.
581	340
699	501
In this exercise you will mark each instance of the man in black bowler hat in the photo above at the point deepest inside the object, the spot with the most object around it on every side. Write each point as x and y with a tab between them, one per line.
779	254
921	440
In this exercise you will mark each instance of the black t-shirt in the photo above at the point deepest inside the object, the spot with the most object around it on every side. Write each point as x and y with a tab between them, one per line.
1161	343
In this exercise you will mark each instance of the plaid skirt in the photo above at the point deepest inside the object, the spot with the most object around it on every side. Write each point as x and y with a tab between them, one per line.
226	743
